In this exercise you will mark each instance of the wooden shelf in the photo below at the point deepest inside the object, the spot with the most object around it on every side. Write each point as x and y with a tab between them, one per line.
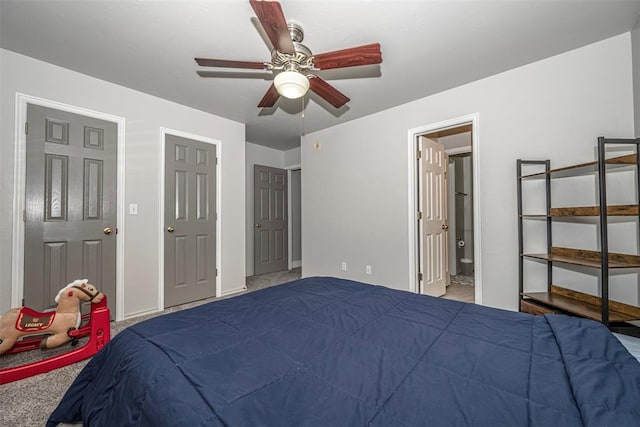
557	299
575	211
612	210
584	168
587	258
581	304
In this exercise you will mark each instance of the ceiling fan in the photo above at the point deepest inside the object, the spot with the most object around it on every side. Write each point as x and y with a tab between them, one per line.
293	63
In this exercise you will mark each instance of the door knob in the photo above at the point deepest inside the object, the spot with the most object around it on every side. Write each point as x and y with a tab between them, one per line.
170	229
445	227
107	230
258	225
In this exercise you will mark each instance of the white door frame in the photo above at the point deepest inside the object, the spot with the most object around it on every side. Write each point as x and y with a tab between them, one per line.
19	182
413	134
218	144
290	169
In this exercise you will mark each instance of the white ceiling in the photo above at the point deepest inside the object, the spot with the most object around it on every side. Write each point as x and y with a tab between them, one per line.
427	47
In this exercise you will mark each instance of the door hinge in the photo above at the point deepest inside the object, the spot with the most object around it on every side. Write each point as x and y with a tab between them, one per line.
419	215
26	128
24	215
22	302
419	277
216	160
419	154
216	272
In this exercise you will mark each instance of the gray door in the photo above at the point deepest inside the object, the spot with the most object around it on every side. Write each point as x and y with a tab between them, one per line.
70	209
270	219
190	221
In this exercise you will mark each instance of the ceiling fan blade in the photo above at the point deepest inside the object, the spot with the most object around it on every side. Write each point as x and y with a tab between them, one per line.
223	63
327	92
361	55
235	74
269	99
272	19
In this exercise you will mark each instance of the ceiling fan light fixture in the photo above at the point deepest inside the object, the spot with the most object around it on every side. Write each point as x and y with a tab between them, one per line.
291	84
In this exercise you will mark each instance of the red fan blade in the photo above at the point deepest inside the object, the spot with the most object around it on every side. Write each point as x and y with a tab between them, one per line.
208	62
361	55
269	99
329	93
272	19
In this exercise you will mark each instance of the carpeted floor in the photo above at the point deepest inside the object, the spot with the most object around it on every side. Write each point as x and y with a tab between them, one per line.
29	402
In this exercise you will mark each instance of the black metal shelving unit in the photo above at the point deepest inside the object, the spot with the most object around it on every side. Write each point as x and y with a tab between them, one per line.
558	299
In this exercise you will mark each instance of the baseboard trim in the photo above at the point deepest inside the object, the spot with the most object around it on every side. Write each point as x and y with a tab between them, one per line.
142	313
233	291
296	264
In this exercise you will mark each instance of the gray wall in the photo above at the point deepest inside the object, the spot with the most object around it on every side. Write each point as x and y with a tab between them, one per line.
355	186
296	215
635	40
145	115
292	157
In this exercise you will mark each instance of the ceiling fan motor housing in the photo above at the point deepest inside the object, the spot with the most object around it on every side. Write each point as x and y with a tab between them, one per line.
301	61
295	31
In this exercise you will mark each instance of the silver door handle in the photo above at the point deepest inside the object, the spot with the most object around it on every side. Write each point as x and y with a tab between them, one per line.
170	229
258	225
107	230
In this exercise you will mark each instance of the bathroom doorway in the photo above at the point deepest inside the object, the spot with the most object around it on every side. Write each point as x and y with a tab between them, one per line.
459	213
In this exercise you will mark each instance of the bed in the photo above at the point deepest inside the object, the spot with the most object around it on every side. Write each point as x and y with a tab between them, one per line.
331	352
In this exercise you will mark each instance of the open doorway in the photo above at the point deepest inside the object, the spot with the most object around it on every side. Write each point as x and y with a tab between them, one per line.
276	227
459	194
446	235
295	217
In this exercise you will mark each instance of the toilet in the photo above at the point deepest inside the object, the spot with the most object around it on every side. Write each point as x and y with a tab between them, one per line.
466	265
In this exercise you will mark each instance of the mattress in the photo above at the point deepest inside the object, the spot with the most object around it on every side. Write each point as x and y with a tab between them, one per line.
331	352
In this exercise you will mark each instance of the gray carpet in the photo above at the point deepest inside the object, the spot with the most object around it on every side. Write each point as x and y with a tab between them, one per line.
30	401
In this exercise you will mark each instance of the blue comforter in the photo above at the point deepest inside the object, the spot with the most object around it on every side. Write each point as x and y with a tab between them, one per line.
333	352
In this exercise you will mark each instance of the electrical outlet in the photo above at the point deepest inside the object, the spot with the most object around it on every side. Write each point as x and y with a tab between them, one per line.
367	269
344	266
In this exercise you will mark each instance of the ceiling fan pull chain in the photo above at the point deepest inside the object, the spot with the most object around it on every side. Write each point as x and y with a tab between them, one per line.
302	98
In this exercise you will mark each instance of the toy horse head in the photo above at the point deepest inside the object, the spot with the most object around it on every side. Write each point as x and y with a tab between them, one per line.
23	321
82	290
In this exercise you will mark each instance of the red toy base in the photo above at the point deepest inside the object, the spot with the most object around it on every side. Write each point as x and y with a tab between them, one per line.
97	328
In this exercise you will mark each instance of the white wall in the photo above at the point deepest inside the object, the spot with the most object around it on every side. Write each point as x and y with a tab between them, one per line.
354	187
295	201
635	40
292	157
144	116
257	155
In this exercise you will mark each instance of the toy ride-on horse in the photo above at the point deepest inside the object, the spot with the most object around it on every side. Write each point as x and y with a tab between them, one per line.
23	329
